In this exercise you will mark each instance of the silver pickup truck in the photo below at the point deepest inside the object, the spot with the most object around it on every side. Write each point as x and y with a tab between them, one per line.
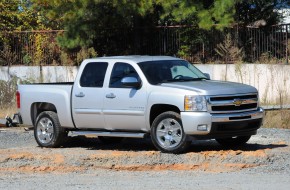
163	97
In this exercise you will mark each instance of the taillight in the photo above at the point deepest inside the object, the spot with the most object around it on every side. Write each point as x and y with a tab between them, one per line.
18	99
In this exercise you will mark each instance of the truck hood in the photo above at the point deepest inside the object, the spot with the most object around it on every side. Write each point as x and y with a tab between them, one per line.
212	87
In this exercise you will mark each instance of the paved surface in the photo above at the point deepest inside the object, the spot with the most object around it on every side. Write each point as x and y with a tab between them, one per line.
86	163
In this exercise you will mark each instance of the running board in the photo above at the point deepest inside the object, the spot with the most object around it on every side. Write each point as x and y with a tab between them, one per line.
108	134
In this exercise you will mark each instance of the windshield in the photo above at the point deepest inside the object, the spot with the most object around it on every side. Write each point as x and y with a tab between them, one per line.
158	72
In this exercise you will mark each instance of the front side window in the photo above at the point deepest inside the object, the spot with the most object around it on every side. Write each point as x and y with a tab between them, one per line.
94	74
121	70
158	72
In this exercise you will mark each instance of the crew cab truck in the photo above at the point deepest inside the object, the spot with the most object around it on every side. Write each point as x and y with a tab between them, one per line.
136	96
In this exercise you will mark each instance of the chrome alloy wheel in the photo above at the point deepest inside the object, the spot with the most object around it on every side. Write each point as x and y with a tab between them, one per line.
169	133
45	130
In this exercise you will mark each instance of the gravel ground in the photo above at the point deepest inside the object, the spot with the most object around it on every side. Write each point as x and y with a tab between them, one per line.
86	163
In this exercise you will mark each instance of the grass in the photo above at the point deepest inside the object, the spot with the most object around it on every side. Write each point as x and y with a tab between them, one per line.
277	119
8	111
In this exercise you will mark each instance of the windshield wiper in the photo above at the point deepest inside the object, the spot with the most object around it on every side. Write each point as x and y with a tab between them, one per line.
184	79
205	78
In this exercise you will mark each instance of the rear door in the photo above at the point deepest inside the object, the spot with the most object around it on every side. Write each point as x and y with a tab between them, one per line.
88	96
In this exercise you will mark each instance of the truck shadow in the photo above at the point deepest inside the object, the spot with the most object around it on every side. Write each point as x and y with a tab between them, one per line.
130	144
127	144
214	146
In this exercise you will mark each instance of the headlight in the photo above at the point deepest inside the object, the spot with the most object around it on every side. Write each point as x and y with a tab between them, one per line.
195	103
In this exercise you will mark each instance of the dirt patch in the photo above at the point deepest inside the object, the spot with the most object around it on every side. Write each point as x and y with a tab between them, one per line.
88	154
59	159
69	161
43	169
208	167
258	153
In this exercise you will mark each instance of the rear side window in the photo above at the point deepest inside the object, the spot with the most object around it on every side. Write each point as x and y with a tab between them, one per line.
94	74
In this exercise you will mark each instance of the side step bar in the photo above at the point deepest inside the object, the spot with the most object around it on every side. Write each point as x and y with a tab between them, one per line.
107	134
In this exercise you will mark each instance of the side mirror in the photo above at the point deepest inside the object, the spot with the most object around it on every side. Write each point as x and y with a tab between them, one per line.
131	82
207	75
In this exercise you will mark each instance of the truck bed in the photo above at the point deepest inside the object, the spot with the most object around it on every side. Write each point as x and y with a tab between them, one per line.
56	94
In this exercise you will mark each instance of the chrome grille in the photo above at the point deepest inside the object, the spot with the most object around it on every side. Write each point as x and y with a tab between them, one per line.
232	103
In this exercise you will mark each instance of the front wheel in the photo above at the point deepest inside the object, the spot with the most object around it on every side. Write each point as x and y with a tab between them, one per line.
234	141
167	133
48	131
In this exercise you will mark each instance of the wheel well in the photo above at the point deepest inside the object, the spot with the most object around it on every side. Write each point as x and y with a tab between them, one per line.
38	107
160	108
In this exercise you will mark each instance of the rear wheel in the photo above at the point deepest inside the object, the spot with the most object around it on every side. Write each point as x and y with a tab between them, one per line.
48	131
167	133
234	141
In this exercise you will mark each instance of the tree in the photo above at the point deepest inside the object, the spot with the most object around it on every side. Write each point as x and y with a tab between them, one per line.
96	22
208	14
16	15
259	13
83	19
204	14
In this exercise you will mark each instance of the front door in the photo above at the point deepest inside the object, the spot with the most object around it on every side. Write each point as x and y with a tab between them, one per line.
124	107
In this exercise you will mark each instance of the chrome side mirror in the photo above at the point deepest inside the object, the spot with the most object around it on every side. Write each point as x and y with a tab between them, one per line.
131	82
207	75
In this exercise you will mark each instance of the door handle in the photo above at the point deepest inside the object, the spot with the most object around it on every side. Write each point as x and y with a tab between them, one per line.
111	95
80	95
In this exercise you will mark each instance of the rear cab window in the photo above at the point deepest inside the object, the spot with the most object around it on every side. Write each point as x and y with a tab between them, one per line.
94	75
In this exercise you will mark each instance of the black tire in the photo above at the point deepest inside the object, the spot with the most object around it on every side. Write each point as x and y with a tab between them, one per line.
234	141
110	140
48	131
174	140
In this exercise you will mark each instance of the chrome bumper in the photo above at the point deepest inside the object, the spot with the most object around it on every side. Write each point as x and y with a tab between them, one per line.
238	116
214	122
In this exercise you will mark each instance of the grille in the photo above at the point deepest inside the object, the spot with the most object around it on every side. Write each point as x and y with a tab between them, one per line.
223	98
235	108
233	103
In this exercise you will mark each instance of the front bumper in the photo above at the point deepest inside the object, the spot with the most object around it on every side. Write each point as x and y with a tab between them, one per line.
222	125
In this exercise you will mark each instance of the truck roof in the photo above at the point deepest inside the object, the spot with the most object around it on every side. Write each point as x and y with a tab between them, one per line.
134	58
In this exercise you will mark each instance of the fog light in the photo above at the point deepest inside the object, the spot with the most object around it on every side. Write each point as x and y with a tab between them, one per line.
202	127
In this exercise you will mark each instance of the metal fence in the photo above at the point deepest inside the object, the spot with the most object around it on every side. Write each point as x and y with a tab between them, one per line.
195	45
273	42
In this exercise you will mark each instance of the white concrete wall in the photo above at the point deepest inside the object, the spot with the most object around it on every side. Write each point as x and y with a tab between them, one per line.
40	74
272	81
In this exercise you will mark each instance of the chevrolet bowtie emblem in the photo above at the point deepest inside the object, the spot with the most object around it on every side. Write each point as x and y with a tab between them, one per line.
238	102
